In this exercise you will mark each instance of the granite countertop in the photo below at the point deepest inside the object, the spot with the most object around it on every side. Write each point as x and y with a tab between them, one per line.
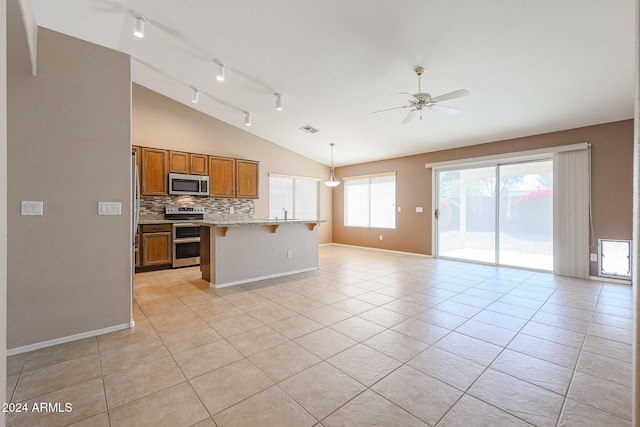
230	222
236	222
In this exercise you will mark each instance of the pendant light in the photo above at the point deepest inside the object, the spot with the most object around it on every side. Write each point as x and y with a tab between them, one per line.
333	182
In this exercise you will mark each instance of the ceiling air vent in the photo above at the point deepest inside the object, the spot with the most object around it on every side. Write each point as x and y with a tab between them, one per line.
309	129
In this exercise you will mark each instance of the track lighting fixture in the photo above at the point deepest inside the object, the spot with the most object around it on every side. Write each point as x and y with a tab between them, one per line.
333	182
220	74
247	119
279	102
196	95
138	26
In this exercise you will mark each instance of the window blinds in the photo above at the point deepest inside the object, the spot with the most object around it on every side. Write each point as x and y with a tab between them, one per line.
370	201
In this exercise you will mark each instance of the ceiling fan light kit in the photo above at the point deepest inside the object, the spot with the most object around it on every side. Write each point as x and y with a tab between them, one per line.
422	100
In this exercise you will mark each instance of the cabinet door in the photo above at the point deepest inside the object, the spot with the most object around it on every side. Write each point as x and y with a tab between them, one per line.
222	172
155	172
156	248
138	152
178	162
199	164
247	179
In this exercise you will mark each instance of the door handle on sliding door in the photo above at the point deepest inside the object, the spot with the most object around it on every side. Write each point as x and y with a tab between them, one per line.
435	213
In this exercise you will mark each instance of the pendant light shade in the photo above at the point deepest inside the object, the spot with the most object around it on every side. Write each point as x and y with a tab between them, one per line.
279	102
332	182
138	26
220	74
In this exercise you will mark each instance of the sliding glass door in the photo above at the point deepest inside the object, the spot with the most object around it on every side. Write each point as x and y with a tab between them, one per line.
467	214
501	214
526	215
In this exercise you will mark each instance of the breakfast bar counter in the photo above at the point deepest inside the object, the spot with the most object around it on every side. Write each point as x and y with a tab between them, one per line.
239	251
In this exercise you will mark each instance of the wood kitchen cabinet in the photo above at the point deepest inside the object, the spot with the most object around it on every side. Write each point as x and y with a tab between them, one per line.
189	163
199	164
222	174
155	170
246	179
178	162
156	244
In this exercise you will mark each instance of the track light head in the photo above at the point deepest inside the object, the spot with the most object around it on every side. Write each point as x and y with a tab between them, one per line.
220	74
196	95
279	102
138	26
247	119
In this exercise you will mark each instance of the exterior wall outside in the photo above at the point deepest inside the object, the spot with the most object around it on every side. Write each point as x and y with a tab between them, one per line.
160	122
612	172
69	140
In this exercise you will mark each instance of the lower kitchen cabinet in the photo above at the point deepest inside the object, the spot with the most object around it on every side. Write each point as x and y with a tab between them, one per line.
156	244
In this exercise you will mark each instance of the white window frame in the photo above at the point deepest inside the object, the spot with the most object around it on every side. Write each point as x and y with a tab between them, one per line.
370	177
292	212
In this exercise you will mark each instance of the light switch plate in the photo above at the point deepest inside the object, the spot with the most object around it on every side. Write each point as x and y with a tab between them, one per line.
32	207
109	208
419	209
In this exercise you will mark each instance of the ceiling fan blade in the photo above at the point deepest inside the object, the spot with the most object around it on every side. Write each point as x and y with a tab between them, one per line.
407	93
389	109
409	116
450	95
446	110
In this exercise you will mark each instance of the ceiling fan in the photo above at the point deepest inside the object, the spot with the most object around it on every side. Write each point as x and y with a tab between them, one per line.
422	100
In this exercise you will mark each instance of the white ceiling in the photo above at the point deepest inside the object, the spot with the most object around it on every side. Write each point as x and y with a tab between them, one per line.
532	66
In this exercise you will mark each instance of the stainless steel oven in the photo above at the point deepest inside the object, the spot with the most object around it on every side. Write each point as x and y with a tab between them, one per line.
186	244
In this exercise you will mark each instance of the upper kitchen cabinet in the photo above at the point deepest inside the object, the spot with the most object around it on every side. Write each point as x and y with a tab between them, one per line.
178	162
199	164
138	152
155	170
222	174
246	179
189	163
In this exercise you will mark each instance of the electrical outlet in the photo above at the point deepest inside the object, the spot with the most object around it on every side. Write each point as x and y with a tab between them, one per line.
419	209
289	254
381	237
594	257
399	209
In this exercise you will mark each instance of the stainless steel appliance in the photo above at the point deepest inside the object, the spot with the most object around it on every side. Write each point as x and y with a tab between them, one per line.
186	235
188	185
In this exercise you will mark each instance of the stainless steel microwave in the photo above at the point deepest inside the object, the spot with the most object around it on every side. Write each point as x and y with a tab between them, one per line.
190	185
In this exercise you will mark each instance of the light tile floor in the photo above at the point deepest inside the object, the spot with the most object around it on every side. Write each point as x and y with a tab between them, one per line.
372	337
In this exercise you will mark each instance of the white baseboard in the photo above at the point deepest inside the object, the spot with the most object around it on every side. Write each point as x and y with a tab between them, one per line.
62	340
378	249
255	279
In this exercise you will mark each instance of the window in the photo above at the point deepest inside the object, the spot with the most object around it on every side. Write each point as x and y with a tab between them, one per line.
370	201
299	196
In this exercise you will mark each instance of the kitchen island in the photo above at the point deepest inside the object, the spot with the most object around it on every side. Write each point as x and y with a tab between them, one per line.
239	251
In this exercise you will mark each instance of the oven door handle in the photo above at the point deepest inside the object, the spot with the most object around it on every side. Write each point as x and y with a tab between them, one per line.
187	240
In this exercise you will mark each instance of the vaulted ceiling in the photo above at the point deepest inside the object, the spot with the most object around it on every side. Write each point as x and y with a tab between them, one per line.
530	66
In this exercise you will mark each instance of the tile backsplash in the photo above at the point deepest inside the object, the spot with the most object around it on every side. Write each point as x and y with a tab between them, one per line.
242	208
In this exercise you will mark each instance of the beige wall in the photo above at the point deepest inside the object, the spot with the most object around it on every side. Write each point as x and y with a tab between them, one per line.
160	122
69	138
3	206
612	169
